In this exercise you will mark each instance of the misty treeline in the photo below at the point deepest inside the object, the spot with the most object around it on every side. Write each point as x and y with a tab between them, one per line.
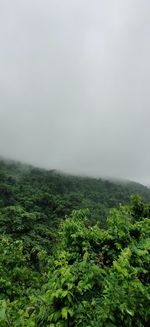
74	251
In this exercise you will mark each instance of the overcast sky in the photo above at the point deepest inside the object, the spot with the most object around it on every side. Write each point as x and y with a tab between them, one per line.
75	85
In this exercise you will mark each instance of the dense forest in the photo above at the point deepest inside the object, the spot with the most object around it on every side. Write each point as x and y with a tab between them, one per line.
74	251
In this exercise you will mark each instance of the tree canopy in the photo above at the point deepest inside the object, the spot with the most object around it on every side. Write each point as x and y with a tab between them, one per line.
59	265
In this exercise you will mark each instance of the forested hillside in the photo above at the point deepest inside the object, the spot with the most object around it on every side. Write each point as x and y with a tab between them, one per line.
53	195
66	257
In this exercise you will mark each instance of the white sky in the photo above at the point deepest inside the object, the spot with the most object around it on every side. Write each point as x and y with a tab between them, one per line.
75	85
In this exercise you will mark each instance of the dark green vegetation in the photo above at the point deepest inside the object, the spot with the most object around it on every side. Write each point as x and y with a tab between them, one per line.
64	265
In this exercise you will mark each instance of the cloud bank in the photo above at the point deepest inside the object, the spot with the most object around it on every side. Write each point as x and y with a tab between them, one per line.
74	85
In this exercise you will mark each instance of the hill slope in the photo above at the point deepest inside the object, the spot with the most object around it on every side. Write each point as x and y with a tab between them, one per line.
75	274
55	195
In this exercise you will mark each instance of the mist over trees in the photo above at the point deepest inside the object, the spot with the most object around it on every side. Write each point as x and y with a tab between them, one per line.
67	257
74	86
74	114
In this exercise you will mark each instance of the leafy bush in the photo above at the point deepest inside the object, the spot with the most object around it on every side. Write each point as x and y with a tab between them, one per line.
91	283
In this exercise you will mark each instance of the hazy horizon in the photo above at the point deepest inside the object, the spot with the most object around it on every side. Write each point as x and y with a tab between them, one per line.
74	86
69	173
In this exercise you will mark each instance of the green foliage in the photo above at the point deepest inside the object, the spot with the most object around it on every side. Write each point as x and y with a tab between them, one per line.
58	267
55	195
86	289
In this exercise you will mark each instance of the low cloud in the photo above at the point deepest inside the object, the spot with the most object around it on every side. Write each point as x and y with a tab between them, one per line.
74	85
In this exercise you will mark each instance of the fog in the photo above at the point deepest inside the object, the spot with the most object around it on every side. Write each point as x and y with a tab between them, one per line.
74	85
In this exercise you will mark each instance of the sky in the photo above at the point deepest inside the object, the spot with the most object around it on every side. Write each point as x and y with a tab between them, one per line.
75	86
